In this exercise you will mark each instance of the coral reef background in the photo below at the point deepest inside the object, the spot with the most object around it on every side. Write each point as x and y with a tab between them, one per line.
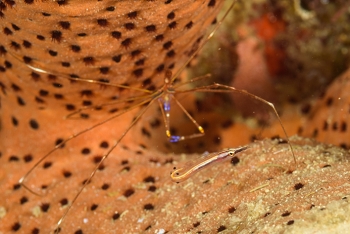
48	47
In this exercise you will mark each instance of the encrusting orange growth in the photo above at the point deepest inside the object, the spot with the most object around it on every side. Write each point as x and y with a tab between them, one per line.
132	192
268	27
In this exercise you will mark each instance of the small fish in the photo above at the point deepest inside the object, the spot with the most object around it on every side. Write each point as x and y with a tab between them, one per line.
186	172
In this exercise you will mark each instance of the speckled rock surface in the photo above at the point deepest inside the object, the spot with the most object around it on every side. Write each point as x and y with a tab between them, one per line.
263	192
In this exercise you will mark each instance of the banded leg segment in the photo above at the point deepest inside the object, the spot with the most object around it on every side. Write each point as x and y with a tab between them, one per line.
220	88
165	106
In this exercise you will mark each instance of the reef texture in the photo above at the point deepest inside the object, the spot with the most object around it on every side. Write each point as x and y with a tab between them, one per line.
122	50
262	190
328	118
50	48
305	45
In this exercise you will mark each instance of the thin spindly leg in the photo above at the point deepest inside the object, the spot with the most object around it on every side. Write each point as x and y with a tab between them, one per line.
219	88
165	104
113	103
104	157
23	179
148	98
